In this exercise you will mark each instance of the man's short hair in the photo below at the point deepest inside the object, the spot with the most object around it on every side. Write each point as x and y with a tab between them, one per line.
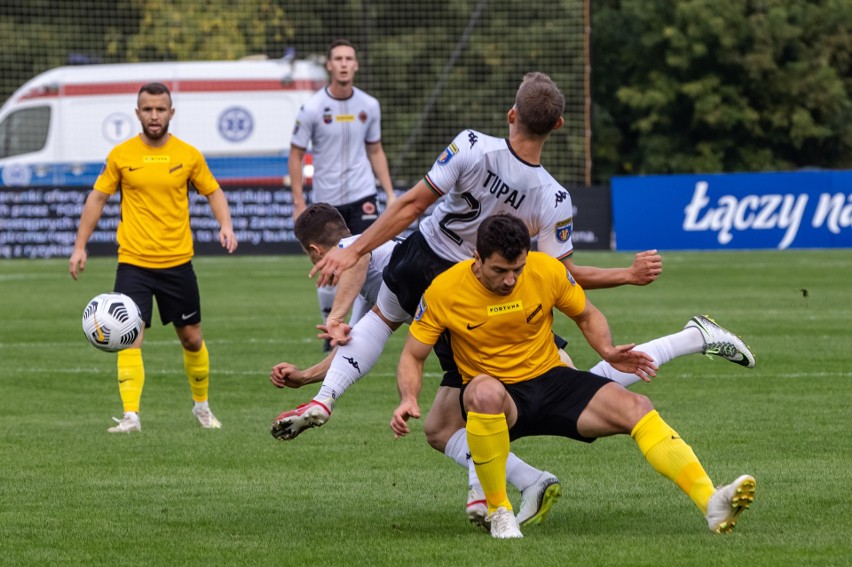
502	233
539	103
338	43
320	224
155	89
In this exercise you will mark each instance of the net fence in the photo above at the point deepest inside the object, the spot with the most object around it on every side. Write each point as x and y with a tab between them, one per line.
436	68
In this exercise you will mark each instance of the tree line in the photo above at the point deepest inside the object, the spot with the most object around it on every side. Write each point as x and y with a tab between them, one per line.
678	86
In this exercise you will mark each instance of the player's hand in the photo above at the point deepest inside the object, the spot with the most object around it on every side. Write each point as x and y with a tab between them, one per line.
647	267
333	264
286	375
228	239
625	359
336	331
77	263
399	421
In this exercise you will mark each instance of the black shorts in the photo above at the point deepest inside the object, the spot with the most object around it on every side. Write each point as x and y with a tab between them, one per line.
412	267
360	214
551	404
176	290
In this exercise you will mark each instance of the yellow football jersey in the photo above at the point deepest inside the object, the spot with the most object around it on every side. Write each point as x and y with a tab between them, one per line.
154	229
508	337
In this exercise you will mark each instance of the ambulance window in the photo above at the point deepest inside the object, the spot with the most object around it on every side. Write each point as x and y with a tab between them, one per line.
24	131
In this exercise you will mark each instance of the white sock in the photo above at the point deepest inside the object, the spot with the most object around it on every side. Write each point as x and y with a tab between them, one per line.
456	448
518	473
663	349
356	358
325	295
202	405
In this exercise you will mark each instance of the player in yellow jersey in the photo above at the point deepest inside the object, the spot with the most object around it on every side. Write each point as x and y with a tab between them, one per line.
152	171
498	308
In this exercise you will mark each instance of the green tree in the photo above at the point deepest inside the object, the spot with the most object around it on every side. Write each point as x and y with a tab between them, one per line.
185	30
721	85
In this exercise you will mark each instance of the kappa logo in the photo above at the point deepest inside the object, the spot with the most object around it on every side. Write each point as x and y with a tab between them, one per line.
351	360
471	137
560	197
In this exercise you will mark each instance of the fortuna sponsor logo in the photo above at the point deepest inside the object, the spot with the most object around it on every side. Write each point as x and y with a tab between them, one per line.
504	308
497	188
764	212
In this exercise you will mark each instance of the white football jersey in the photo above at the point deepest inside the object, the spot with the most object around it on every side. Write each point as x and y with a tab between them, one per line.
478	176
379	258
336	131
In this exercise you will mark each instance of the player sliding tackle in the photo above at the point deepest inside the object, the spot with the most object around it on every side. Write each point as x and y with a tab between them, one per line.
515	385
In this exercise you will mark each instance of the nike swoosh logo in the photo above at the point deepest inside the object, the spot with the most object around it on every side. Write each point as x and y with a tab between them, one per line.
185	317
472	327
135	168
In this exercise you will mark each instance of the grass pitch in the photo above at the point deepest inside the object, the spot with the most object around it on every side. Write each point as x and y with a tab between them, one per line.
348	494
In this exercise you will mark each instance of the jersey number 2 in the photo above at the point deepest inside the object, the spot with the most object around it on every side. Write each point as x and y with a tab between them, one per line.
470	216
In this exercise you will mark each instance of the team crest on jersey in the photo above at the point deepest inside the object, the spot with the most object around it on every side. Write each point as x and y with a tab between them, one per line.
362	116
368	208
421	309
327	116
448	154
570	277
564	229
296	127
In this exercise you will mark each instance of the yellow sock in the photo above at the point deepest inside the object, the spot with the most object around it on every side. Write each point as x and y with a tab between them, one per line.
488	441
197	366
673	458
131	378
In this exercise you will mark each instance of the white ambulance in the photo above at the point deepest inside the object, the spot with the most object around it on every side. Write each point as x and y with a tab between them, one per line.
58	128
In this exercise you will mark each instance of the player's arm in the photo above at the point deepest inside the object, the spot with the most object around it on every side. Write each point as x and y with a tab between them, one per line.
348	287
219	206
405	210
92	211
409	381
647	267
286	375
379	163
294	170
595	328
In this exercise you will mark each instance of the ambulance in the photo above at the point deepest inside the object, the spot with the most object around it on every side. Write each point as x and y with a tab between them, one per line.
57	129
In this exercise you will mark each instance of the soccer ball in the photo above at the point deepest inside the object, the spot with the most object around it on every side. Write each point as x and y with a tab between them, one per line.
112	322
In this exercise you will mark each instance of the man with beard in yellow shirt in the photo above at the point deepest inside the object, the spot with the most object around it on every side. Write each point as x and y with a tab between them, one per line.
152	171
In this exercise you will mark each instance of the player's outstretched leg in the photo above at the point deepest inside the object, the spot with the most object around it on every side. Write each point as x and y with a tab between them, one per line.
721	342
728	502
538	498
291	423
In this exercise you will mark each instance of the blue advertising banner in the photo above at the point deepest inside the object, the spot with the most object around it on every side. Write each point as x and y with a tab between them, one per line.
804	209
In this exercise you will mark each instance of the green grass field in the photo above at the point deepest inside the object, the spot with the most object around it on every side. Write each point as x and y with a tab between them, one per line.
349	494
